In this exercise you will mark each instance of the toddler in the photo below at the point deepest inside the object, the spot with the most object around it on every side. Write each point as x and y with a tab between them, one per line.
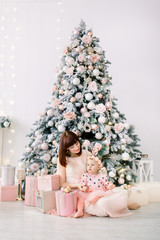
94	185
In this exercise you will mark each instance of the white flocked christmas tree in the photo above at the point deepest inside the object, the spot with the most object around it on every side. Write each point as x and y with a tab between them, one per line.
82	102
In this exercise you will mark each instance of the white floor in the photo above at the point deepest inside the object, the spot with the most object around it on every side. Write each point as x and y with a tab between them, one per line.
18	221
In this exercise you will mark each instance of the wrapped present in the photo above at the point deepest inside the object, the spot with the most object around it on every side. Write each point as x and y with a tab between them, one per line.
66	203
8	193
134	194
7	175
30	191
139	195
48	182
45	200
153	190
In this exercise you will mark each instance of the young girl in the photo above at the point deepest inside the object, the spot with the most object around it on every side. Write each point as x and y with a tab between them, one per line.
72	162
95	186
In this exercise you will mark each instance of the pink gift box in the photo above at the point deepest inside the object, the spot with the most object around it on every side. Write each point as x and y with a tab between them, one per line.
30	191
8	193
45	201
66	203
48	182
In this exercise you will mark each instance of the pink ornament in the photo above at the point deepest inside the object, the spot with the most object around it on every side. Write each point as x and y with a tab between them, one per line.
83	110
44	146
94	127
54	142
61	91
90	67
65	51
94	58
108	105
86	114
121	181
81	57
47	157
93	86
50	112
69	71
56	102
73	99
42	114
70	115
78	49
55	88
100	95
118	127
86	143
81	69
104	80
90	34
61	107
29	149
97	147
86	39
100	108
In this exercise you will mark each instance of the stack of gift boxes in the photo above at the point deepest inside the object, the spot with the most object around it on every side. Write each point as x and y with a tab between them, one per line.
8	189
43	193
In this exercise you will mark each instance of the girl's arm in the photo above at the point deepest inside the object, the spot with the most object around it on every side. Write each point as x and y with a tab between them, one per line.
61	171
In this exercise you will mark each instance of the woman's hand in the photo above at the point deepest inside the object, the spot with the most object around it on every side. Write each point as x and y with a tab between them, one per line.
83	188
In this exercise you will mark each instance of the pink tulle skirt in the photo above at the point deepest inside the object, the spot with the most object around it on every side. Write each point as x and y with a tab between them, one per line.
109	204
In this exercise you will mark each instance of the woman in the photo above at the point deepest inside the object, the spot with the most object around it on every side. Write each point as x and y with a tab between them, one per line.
73	163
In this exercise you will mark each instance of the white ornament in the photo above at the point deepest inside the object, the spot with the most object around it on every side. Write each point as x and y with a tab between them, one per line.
126	125
34	144
121	180
125	156
89	96
6	124
96	72
123	140
115	115
28	149
54	160
108	128
88	80
66	93
98	135
112	174
44	171
61	128
76	81
98	50
50	123
50	112
101	119
44	146
91	105
128	177
21	165
37	133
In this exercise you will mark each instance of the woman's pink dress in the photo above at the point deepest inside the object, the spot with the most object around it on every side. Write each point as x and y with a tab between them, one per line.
113	205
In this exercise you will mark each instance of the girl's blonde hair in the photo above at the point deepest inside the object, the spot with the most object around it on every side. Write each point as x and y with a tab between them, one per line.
95	159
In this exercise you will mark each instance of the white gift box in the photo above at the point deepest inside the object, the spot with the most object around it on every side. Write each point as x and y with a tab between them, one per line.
137	194
153	190
7	175
45	200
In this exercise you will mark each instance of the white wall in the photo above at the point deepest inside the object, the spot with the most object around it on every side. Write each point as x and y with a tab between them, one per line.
129	33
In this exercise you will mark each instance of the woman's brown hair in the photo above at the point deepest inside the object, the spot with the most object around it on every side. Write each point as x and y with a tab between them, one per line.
67	139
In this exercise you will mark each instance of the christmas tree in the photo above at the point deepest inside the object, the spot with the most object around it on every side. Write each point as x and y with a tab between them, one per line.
82	102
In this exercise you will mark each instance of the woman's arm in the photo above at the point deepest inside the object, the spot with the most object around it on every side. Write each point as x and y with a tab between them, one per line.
61	171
